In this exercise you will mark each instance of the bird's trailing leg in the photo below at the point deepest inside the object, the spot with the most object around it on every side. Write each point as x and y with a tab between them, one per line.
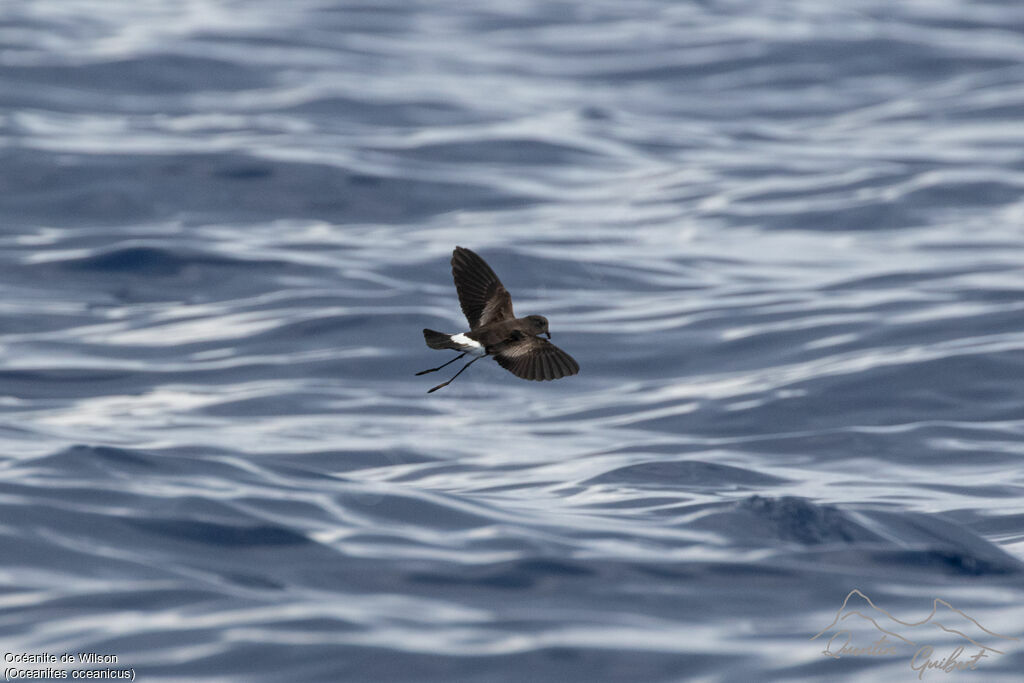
444	384
441	366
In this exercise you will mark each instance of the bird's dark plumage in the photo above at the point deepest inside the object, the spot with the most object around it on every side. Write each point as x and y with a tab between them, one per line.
483	298
438	340
537	359
494	330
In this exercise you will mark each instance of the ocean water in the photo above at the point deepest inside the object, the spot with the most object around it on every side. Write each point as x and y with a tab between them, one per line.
784	240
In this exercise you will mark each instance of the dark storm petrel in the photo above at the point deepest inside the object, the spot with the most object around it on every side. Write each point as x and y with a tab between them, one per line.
494	330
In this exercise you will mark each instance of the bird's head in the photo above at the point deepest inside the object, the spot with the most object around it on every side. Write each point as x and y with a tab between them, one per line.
539	324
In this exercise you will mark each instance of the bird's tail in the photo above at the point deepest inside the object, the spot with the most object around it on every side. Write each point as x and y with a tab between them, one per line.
438	340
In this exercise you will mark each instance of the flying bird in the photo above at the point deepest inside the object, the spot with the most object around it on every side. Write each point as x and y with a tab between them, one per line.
494	330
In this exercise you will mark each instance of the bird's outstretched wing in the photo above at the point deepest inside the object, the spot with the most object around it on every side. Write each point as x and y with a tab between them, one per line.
537	359
483	298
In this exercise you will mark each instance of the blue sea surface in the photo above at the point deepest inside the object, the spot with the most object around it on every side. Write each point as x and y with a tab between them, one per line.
784	241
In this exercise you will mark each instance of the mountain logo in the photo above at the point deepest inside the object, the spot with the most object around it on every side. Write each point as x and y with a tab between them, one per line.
973	642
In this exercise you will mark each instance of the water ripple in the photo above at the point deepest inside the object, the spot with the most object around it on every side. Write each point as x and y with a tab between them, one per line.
783	241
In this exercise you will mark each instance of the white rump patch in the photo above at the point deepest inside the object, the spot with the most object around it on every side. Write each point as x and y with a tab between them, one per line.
472	346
